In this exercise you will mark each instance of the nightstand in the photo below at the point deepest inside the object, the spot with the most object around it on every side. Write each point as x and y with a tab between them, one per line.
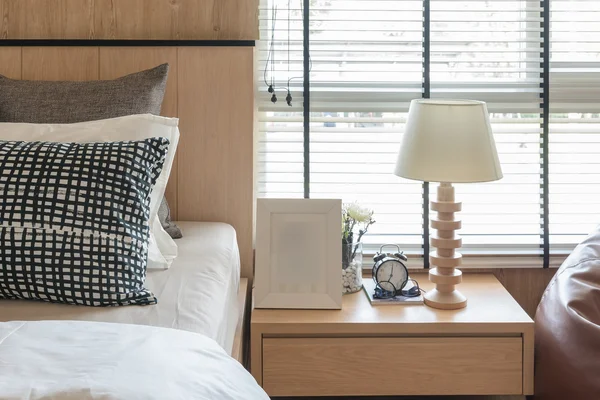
363	350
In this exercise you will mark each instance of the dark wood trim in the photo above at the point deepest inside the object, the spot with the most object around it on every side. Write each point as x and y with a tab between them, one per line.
123	43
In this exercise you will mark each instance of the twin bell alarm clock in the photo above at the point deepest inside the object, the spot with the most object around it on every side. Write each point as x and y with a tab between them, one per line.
389	272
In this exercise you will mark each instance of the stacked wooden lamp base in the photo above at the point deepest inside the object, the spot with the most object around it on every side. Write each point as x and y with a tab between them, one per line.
447	140
445	258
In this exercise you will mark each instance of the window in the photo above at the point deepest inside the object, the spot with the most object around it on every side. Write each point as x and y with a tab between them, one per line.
366	68
574	122
370	58
491	51
280	162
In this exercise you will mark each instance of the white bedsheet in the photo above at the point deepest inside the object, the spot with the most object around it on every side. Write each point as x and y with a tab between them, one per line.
67	360
197	294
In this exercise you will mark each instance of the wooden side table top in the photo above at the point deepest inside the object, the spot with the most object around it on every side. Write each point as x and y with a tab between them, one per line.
483	349
490	308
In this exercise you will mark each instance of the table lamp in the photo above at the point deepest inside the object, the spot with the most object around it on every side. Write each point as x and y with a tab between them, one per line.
447	141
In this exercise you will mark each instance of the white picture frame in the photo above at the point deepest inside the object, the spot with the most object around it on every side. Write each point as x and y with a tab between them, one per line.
298	254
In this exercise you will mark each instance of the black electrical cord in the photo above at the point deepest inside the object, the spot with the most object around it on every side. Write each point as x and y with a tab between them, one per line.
273	16
273	46
289	96
381	293
271	58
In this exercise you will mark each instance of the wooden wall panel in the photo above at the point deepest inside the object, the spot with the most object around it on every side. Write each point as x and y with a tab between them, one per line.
60	63
216	102
210	89
177	19
218	19
46	19
10	62
129	19
118	61
137	19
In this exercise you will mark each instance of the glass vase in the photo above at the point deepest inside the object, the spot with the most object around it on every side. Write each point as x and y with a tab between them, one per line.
352	255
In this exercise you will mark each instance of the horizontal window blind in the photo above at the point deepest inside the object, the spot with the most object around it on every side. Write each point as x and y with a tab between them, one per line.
575	122
367	60
280	152
492	51
366	67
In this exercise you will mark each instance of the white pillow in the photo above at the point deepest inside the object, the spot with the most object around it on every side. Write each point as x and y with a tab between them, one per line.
162	248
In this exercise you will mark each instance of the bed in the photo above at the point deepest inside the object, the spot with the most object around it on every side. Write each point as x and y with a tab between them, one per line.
202	298
198	293
72	360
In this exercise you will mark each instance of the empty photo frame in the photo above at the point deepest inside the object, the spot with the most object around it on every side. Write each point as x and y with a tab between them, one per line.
298	254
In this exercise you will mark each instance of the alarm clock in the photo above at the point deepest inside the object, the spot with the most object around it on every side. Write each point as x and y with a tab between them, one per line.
389	271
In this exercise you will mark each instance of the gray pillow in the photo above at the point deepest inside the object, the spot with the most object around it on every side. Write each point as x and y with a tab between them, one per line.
164	215
66	102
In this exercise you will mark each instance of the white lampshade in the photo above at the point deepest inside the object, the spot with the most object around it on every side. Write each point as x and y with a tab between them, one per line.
448	141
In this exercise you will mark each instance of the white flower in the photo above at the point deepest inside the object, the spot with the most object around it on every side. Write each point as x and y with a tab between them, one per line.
358	213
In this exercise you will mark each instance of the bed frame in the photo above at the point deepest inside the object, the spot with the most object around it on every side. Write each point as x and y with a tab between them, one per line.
209	45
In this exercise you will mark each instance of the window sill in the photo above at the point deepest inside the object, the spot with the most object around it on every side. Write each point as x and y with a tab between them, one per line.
472	261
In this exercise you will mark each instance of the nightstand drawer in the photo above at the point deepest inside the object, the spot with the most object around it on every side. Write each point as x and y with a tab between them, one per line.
392	366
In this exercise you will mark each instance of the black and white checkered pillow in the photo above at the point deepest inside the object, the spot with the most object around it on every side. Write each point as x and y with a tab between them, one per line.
74	220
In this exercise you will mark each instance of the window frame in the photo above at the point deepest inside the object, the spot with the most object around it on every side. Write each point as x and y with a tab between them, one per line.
491	257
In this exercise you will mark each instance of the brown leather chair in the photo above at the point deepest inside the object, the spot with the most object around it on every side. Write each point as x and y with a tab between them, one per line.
567	329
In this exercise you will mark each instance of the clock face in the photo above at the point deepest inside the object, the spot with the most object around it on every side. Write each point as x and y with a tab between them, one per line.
391	275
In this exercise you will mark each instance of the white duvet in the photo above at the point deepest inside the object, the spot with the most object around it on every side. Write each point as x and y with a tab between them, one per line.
73	360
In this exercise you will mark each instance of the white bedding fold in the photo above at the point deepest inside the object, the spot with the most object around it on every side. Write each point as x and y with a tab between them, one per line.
197	294
66	360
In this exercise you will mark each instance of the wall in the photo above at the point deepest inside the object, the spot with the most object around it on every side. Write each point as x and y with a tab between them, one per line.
211	178
129	19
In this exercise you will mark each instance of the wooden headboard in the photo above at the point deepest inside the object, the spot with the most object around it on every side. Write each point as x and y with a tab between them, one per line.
209	46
